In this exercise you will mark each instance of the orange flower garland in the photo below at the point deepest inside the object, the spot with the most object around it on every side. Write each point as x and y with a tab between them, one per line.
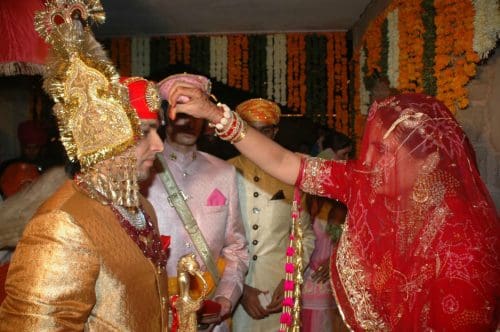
373	43
290	46
237	62
411	45
344	88
293	83
356	70
454	62
234	46
455	58
232	65
121	55
331	58
302	73
245	82
172	51
341	83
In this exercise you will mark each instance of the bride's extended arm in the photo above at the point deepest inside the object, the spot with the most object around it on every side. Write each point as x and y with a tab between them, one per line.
267	154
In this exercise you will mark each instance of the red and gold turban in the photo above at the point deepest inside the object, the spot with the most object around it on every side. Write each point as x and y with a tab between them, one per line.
143	96
259	110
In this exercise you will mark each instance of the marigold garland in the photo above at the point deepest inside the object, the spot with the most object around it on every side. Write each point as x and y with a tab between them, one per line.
331	77
172	51
302	73
240	61
234	61
411	45
342	93
439	44
356	74
373	44
245	84
293	63
121	55
455	59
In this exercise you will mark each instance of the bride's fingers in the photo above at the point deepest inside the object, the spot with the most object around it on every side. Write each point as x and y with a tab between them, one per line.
179	89
172	113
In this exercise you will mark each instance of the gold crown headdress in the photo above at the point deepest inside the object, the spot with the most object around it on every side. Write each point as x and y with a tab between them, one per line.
92	108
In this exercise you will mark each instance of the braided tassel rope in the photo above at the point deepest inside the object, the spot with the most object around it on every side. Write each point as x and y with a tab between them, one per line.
290	315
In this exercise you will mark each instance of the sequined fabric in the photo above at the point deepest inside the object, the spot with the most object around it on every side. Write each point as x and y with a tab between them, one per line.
77	269
83	83
95	119
420	248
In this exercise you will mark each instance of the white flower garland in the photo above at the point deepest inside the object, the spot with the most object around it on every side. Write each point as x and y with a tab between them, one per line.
140	57
270	66
276	69
218	58
486	26
393	49
212	59
223	62
281	56
364	95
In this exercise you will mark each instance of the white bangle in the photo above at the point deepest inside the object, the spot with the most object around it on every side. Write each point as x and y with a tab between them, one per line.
225	117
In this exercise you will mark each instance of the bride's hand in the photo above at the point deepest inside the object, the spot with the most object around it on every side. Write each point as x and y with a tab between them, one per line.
188	99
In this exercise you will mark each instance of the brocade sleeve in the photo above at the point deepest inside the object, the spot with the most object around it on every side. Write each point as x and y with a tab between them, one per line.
51	280
321	177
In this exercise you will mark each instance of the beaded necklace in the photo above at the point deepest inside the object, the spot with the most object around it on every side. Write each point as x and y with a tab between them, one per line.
146	238
137	225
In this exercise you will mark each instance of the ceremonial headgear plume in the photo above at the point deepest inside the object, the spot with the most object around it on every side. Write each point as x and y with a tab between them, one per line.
97	124
92	108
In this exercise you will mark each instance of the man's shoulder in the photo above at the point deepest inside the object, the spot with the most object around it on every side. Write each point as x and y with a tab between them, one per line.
62	194
68	198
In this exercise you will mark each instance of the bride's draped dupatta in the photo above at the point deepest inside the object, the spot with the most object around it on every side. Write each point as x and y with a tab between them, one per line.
421	242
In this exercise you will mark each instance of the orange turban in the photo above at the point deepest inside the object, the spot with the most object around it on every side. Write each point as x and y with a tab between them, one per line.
16	176
259	110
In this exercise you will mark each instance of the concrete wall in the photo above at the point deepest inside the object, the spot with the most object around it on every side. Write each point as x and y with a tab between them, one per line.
481	120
